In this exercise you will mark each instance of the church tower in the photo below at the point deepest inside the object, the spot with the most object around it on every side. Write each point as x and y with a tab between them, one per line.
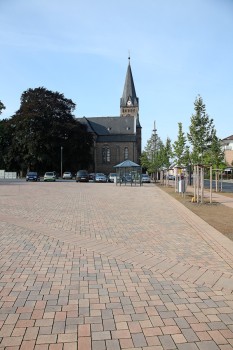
129	104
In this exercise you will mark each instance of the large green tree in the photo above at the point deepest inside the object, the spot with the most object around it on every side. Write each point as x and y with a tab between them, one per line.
43	124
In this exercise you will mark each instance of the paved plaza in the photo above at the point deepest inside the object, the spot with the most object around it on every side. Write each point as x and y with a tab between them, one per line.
90	266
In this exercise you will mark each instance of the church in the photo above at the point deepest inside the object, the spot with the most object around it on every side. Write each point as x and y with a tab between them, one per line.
116	138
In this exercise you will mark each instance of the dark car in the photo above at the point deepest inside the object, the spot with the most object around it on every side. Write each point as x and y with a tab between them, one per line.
32	176
82	176
127	178
92	176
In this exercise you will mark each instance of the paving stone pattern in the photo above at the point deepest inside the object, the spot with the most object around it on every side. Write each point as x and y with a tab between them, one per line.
104	267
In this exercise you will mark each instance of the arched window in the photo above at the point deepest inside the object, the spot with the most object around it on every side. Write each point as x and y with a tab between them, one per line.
106	155
126	153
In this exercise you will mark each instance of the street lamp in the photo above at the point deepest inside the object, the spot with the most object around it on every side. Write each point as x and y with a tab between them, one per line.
61	160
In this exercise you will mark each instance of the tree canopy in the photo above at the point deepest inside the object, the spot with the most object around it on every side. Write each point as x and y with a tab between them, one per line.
204	145
44	123
1	107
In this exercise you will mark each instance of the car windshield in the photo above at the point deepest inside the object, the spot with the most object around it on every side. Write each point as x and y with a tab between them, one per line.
31	173
49	174
100	174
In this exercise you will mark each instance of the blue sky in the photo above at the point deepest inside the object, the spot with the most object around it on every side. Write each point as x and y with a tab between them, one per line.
178	49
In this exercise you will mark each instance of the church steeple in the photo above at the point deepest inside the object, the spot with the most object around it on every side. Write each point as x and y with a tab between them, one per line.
129	103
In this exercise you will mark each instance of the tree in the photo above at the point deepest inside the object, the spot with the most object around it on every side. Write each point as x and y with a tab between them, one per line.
167	153
43	124
215	154
1	107
201	131
179	147
150	158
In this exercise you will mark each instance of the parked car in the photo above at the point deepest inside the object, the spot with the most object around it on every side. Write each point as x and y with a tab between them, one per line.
82	176
100	177
49	176
127	178
145	178
111	177
32	176
67	175
92	176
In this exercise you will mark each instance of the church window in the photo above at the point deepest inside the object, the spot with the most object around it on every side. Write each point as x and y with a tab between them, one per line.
126	153
106	155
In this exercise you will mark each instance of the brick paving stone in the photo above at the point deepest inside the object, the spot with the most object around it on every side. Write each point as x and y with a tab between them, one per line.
139	340
98	345
167	342
84	343
207	345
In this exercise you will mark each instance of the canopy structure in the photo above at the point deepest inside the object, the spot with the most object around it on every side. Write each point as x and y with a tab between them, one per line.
128	172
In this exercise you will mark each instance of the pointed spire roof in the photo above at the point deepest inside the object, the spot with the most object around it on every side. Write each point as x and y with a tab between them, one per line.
129	92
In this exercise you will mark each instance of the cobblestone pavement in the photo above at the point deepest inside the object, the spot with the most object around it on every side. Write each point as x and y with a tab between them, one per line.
106	267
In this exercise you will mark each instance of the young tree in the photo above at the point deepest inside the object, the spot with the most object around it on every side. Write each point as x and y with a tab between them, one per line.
167	153
150	158
201	131
179	147
215	154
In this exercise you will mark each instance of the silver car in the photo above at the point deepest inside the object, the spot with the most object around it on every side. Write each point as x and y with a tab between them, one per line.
67	175
49	176
100	177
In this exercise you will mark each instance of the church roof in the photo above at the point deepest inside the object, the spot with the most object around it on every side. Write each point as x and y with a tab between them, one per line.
106	126
129	91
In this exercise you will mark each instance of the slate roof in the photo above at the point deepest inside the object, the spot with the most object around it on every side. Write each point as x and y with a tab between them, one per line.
106	126
129	91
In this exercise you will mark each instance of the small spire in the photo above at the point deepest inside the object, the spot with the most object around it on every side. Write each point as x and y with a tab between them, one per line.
129	57
154	130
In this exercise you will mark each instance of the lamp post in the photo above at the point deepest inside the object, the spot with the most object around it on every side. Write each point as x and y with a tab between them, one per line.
61	160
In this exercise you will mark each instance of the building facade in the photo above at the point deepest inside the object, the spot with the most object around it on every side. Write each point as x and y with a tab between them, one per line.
227	145
117	138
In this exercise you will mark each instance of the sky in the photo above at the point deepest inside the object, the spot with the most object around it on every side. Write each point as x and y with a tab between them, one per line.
178	49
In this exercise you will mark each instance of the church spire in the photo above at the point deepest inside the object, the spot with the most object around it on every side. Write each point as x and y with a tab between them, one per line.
129	97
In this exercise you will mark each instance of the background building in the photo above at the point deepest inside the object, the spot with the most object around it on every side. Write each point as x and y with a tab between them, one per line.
227	145
117	138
